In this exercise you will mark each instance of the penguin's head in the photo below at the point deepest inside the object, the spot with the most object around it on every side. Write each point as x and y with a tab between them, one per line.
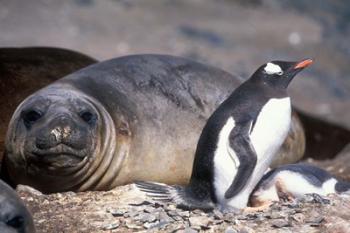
279	74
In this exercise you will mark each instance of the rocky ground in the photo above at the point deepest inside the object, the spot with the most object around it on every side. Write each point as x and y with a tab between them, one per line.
126	209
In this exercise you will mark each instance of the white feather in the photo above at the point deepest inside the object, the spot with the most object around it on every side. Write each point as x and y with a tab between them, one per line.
295	184
225	162
271	68
270	130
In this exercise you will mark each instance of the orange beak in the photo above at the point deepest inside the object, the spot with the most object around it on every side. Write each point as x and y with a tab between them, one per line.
303	64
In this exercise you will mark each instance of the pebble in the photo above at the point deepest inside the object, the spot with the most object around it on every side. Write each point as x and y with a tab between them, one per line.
140	203
148	225
229	217
274	215
279	223
163	217
185	214
111	226
189	230
131	225
28	189
149	209
117	213
298	217
199	221
218	214
315	221
246	230
230	230
146	217
171	207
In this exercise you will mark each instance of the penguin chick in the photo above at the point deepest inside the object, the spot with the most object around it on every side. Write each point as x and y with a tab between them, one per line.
294	181
238	142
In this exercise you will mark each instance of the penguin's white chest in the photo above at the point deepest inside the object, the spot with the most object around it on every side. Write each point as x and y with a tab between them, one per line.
269	132
271	127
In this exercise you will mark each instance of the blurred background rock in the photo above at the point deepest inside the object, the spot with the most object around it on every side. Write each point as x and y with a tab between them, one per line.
237	36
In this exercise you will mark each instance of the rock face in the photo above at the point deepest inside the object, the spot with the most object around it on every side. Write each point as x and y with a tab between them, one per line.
338	166
125	209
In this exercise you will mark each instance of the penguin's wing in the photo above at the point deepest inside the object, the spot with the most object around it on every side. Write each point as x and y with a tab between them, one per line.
240	142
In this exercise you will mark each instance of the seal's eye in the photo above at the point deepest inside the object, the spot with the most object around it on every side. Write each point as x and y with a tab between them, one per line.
16	222
88	117
31	116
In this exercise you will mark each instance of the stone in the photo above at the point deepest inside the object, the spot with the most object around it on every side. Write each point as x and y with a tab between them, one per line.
298	217
199	221
274	215
218	214
111	226
190	230
117	213
246	230
149	225
28	189
184	214
279	223
147	217
164	217
315	220
230	230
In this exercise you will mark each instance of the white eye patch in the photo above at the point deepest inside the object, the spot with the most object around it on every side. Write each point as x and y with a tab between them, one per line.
271	68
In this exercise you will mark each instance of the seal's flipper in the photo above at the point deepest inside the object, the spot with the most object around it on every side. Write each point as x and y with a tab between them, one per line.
239	141
181	196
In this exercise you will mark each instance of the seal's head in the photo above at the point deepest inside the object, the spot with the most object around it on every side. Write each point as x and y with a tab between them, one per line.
56	140
58	131
14	216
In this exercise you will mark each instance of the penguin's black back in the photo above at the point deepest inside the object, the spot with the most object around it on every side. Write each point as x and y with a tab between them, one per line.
244	104
312	174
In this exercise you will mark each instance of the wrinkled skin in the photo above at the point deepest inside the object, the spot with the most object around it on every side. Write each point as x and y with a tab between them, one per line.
148	113
14	216
25	70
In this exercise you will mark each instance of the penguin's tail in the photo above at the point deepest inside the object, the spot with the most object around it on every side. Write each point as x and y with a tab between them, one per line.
179	195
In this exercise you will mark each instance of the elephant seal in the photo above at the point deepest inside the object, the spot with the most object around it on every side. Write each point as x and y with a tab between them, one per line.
130	118
14	216
25	70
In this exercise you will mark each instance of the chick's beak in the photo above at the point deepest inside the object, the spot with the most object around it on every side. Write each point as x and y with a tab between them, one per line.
303	64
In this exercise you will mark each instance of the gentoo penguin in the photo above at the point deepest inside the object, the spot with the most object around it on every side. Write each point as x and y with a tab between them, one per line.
238	142
294	181
14	216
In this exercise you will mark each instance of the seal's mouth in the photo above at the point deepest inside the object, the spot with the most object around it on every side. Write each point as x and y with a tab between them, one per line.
58	156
